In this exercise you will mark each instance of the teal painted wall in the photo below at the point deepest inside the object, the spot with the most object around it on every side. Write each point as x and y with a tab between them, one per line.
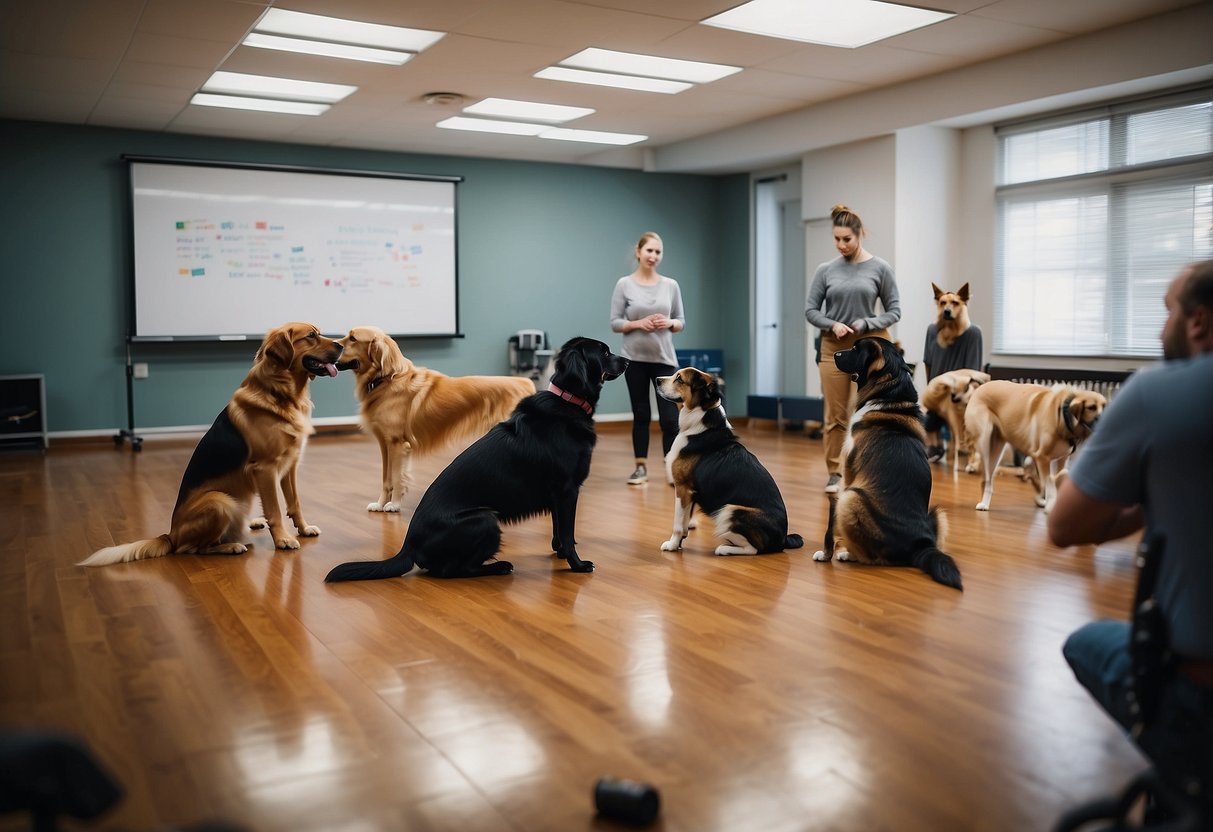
540	246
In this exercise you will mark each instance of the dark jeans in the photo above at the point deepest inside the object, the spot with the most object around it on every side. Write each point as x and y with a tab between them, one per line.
640	375
1179	739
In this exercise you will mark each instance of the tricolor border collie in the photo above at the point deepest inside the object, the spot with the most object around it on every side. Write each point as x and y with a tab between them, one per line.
710	468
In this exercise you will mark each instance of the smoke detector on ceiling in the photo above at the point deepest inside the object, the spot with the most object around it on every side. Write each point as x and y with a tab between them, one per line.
443	99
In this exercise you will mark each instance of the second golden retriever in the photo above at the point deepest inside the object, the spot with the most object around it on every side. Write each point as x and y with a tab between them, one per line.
411	409
1046	424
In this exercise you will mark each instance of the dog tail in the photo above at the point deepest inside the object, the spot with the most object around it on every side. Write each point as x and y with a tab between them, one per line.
939	566
370	570
156	547
793	541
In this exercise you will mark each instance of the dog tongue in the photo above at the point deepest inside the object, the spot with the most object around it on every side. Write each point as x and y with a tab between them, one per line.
331	370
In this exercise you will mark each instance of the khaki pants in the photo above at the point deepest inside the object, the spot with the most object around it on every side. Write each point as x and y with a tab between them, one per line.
838	391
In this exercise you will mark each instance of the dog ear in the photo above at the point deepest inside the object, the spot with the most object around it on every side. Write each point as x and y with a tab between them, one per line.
938	292
388	355
963	293
278	347
572	362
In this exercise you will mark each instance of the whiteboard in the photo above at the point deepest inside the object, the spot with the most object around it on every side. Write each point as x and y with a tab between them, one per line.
231	252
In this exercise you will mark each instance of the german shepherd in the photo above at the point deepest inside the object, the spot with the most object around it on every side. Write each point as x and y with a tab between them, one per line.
254	444
952	314
712	469
533	463
881	515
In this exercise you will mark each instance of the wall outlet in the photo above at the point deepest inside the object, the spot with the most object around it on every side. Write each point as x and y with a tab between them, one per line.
141	370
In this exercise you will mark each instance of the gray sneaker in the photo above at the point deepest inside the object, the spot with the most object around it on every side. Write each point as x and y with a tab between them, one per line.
834	483
639	476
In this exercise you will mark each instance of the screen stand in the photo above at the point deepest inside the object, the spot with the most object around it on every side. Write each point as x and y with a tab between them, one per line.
129	432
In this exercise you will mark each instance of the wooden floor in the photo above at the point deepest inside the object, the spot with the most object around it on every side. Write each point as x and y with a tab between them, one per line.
765	693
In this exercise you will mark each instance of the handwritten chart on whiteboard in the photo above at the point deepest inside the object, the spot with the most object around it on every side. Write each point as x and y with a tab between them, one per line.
222	251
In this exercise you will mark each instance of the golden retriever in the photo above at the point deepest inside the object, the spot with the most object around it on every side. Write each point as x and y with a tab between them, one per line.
413	409
1046	424
253	446
947	396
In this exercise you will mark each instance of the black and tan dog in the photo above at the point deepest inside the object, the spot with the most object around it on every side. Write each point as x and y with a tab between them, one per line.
253	446
882	515
710	468
532	463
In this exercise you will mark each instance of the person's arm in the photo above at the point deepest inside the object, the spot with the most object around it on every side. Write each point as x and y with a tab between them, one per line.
678	320
927	348
890	299
619	305
1077	518
816	299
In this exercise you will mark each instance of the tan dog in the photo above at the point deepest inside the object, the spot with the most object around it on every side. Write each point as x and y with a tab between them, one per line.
1046	424
947	396
412	409
253	446
952	317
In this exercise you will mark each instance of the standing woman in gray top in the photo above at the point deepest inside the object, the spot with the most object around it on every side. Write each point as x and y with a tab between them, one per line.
647	308
842	304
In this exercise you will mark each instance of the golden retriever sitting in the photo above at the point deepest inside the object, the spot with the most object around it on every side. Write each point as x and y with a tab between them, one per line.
947	396
253	446
412	409
1046	424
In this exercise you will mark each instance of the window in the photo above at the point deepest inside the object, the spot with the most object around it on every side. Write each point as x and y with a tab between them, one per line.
1097	211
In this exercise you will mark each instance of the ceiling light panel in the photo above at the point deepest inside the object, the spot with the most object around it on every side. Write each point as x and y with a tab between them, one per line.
607	79
566	134
338	30
842	23
268	105
369	54
488	125
238	83
511	108
650	66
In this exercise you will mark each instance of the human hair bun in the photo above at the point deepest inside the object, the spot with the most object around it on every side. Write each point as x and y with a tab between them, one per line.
839	209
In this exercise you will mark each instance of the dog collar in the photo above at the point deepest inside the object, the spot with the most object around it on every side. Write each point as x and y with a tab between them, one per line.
375	382
569	397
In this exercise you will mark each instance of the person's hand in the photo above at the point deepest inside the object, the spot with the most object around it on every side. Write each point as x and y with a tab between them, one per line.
841	330
859	325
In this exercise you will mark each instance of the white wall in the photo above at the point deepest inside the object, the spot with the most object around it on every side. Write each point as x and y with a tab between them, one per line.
927	191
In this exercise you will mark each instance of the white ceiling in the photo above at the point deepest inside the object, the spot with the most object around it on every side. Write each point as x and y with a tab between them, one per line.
136	63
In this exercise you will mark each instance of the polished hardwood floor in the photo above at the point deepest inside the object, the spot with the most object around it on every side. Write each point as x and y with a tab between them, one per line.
756	693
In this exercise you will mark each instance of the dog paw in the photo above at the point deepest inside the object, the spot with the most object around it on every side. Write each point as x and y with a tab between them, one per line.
257	523
392	507
983	506
670	546
842	554
1040	502
286	543
820	555
582	566
724	549
310	531
375	506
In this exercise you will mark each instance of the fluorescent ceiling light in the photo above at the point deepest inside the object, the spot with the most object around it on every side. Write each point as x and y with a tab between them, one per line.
596	136
606	79
237	83
338	30
510	108
650	66
269	105
845	23
488	125
329	50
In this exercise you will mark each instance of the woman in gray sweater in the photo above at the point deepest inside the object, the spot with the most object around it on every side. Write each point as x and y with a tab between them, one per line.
647	308
842	304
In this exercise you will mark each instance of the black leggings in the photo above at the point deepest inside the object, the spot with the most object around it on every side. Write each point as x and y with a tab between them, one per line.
640	375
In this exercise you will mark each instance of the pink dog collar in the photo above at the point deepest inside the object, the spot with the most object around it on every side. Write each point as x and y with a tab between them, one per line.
569	397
